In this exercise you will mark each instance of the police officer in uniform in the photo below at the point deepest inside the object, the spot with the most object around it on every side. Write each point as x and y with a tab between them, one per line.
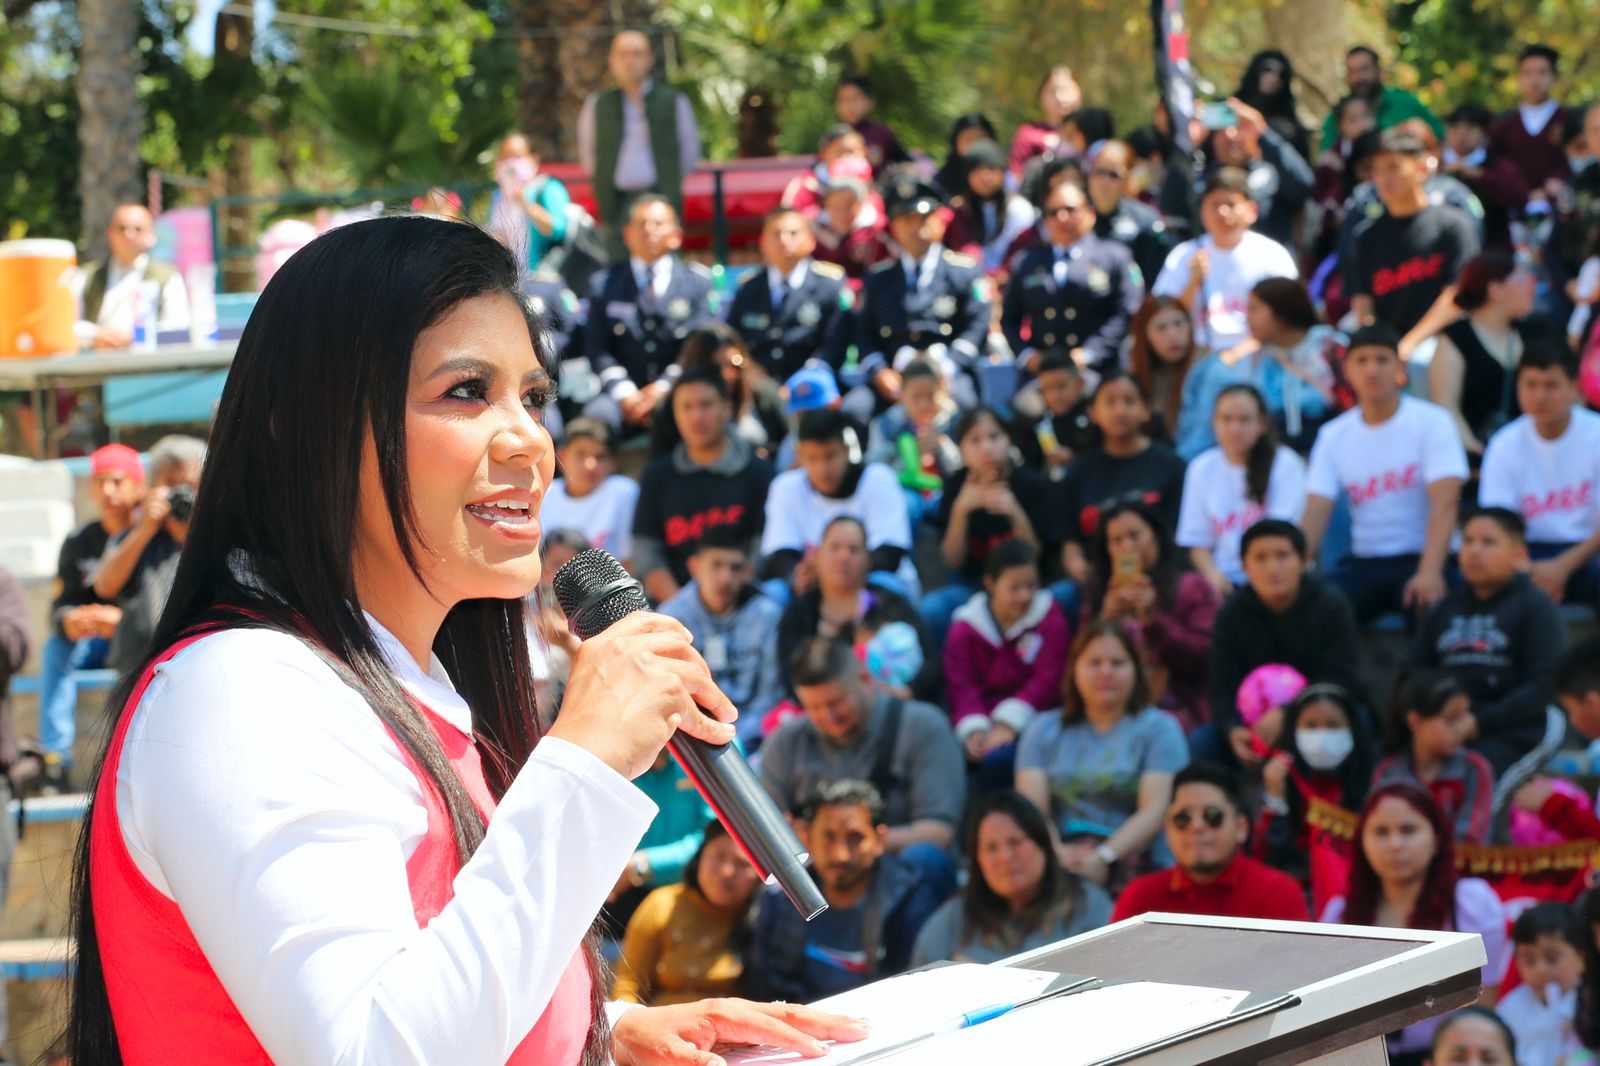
639	313
926	300
1121	218
557	306
796	310
1075	292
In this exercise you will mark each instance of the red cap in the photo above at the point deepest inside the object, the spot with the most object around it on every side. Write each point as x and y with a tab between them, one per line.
117	459
849	168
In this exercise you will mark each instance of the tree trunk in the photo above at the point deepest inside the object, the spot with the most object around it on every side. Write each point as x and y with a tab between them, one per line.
557	73
111	119
1313	34
758	123
233	63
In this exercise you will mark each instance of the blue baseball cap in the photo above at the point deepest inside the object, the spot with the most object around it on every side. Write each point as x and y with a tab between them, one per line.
811	388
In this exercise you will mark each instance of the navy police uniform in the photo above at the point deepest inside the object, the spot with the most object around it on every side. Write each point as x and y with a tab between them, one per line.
813	319
938	302
1084	297
557	307
1139	228
633	336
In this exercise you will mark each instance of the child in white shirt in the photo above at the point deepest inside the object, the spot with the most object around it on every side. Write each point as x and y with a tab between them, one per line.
1212	275
1227	489
1548	939
590	496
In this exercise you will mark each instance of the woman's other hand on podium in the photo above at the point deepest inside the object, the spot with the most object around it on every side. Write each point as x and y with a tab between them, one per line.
685	1034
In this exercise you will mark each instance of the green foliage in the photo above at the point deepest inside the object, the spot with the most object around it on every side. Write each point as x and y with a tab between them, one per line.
38	130
918	53
1457	50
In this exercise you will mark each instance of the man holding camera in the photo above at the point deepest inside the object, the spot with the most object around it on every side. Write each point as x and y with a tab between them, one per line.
137	568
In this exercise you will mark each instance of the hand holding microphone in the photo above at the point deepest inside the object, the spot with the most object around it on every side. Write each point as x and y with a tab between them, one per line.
633	686
661	682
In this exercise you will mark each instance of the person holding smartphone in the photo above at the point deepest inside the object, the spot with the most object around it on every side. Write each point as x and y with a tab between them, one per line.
528	210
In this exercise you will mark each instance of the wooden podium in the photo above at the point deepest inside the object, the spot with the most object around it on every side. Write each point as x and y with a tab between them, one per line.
1167	990
1350	985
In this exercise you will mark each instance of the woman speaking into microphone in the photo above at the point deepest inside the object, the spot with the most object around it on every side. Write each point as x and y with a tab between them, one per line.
326	828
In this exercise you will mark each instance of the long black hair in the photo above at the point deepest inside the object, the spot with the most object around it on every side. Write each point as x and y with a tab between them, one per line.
323	365
1264	452
1427	692
952	174
985	916
744	928
1277	107
1163	575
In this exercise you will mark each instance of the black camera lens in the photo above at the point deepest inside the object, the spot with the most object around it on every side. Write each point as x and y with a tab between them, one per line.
181	502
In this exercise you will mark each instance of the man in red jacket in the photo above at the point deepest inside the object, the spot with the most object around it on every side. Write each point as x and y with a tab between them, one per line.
1207	829
1578	688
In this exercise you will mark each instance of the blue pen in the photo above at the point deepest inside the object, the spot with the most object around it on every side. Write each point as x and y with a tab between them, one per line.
954	1025
976	1017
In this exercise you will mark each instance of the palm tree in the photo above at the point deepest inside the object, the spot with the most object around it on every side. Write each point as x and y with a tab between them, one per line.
111	116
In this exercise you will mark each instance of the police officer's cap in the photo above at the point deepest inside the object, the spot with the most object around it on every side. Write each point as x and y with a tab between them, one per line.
912	195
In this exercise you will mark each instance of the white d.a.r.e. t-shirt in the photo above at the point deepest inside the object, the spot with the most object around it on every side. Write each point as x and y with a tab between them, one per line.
1217	507
1219	316
1553	484
1385	470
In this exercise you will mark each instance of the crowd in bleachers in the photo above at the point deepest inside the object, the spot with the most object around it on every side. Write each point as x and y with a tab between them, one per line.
1032	513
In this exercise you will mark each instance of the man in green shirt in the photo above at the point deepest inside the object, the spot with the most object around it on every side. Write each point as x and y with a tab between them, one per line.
1363	75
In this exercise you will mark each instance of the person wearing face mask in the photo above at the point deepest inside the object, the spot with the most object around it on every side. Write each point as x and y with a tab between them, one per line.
1324	752
1206	829
1283	615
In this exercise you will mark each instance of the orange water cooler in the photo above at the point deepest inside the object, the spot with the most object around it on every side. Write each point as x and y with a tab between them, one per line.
37	304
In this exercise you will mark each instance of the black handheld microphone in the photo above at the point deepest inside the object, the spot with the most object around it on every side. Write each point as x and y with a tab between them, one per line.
594	591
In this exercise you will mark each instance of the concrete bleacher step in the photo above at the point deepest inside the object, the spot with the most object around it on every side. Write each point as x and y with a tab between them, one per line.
36	954
94	686
37	973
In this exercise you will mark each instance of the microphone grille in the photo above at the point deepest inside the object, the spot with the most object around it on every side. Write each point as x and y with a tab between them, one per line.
588	575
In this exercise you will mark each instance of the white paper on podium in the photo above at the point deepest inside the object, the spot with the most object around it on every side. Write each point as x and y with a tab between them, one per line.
1082	1027
910	1005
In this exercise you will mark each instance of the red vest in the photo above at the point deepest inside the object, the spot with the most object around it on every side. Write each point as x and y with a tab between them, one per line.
166	1000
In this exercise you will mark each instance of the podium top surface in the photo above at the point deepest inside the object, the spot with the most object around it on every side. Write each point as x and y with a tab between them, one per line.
1260	960
1352	983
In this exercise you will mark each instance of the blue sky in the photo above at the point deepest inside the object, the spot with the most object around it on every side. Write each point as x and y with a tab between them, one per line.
206	17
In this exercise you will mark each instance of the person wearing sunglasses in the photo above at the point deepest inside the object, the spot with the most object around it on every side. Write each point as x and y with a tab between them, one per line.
1074	293
1119	216
1207	827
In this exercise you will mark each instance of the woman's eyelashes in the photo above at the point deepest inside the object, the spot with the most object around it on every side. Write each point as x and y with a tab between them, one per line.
476	390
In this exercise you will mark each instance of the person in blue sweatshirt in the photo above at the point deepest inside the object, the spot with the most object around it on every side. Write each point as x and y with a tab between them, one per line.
734	627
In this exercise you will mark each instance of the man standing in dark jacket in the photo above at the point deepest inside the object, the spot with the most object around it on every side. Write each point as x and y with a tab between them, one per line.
1499	635
1284	616
876	906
